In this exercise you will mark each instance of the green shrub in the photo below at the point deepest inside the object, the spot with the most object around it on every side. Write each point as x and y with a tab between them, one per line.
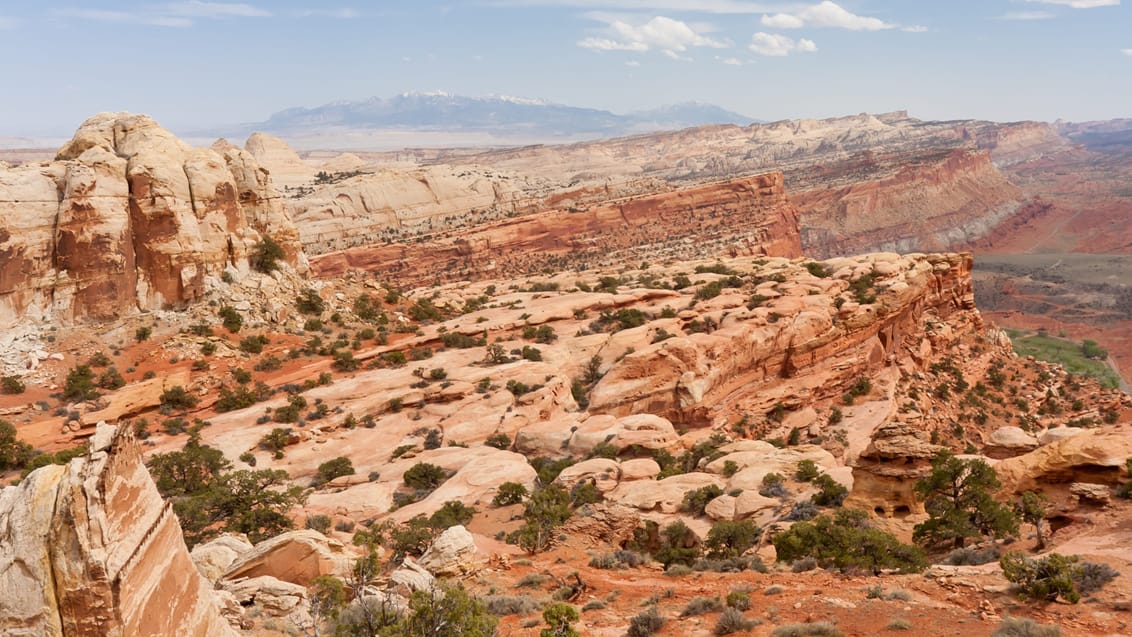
14	453
806	471
560	618
80	384
424	476
309	302
831	493
338	467
253	344
509	493
1054	576
499	441
696	501
231	318
143	333
450	514
740	600
177	397
11	385
845	541
728	539
265	255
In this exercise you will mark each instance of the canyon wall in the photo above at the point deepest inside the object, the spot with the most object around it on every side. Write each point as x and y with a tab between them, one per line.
128	217
744	216
903	204
91	550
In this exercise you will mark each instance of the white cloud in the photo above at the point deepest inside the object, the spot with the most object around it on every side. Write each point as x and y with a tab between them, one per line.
825	14
200	9
605	44
776	45
666	35
344	13
123	17
175	14
632	63
915	28
1027	15
1126	51
729	61
696	6
1080	4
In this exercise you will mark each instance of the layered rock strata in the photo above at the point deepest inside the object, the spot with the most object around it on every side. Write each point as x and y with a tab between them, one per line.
91	550
745	216
129	218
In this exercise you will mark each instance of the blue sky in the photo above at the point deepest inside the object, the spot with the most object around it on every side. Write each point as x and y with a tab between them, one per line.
192	63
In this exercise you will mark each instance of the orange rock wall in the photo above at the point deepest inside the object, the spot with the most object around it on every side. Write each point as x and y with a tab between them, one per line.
749	215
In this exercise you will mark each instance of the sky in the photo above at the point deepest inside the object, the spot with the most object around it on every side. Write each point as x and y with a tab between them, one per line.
193	64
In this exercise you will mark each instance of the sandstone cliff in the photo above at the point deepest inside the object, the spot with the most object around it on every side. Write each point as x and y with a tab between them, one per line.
128	217
90	549
744	216
903	203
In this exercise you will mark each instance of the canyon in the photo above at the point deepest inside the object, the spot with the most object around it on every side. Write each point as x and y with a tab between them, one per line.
754	297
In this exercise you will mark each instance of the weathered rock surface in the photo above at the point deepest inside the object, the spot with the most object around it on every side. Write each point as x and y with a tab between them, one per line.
452	553
1094	456
748	215
128	218
295	556
213	558
1010	441
91	549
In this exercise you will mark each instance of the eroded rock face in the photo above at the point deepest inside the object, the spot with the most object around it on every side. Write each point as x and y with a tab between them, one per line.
90	549
452	553
743	216
295	556
128	217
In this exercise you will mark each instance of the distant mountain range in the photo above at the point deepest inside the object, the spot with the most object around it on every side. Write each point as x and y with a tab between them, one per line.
500	116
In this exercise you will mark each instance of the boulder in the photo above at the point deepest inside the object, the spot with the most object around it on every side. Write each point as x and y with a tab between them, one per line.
1005	442
295	556
662	495
272	597
452	553
215	557
1091	456
1098	493
410	577
603	472
1058	433
639	469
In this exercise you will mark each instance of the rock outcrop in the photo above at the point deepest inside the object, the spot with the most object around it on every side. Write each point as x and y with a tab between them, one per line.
796	348
452	553
743	216
917	203
128	217
90	549
295	556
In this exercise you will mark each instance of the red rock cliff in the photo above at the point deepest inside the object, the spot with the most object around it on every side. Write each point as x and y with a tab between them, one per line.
128	217
926	202
748	215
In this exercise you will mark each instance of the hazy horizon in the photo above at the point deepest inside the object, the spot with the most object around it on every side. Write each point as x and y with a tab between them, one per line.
194	65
